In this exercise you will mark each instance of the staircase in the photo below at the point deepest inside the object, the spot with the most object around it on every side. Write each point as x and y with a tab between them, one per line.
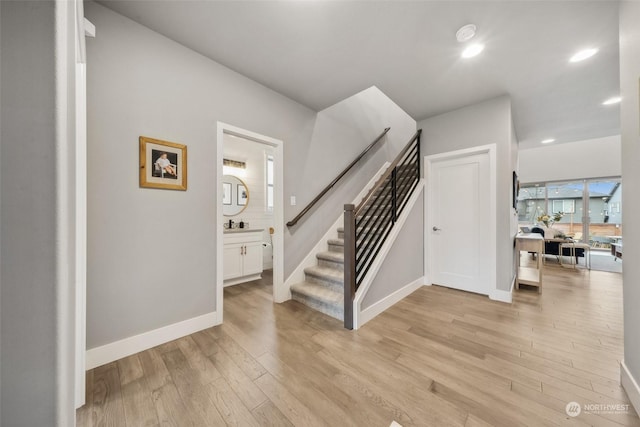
331	288
323	288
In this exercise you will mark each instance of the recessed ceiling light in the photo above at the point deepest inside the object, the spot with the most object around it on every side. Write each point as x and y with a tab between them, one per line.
547	141
583	54
472	50
466	33
613	100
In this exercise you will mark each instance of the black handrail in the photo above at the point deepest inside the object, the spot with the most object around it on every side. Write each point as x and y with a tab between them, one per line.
307	208
367	226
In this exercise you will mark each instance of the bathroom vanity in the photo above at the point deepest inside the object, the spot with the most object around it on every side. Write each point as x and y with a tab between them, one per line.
242	255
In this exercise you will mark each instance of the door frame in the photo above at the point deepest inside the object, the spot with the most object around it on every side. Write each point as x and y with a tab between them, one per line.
279	292
429	161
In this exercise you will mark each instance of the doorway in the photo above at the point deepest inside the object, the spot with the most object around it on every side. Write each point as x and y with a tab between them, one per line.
586	210
273	195
460	219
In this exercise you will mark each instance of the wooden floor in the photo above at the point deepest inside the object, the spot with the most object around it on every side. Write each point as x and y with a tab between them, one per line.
438	358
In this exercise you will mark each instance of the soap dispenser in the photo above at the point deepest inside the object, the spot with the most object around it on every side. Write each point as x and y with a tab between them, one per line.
241	225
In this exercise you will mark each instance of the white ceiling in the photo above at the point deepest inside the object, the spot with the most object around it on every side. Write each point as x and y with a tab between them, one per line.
320	52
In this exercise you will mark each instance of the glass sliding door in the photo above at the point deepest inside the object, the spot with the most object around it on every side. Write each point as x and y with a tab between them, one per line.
532	201
592	208
605	212
568	198
592	214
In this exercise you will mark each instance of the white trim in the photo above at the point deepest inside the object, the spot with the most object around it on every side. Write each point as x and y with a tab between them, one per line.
503	296
500	295
117	350
80	208
80	273
280	294
388	301
489	149
63	281
630	385
298	276
382	255
243	279
89	28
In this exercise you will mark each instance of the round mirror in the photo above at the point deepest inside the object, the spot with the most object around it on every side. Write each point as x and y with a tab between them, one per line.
235	195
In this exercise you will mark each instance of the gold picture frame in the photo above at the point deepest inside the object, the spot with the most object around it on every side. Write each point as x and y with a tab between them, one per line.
163	164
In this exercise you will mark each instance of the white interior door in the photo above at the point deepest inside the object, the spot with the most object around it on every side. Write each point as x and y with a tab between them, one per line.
458	226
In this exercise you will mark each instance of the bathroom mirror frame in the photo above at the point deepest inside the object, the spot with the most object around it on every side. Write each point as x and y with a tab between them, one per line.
232	188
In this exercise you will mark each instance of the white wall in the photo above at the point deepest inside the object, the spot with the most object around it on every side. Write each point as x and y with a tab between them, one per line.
341	132
254	176
141	83
630	125
593	158
37	300
405	262
488	122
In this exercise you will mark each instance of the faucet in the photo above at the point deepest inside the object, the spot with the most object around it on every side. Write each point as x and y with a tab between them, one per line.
230	224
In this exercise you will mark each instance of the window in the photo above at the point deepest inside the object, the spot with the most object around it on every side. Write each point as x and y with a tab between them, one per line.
591	207
269	181
565	206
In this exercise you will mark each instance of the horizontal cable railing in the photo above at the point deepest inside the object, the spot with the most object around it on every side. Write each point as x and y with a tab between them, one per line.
367	225
326	189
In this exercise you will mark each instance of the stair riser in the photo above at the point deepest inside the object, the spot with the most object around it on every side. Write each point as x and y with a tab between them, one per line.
338	287
331	264
329	310
336	248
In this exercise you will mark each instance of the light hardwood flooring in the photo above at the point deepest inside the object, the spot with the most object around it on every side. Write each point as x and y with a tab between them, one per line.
440	357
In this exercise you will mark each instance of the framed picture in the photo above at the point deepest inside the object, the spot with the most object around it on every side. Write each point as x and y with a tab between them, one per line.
243	195
163	164
226	193
516	190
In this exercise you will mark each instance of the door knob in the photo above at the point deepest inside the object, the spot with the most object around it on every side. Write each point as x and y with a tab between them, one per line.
436	228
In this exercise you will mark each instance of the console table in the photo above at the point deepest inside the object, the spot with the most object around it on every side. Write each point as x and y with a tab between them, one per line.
572	253
616	250
532	276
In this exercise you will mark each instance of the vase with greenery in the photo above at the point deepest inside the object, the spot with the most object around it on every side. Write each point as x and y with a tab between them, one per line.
549	220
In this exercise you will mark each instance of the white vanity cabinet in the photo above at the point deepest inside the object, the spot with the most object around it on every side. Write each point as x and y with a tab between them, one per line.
242	256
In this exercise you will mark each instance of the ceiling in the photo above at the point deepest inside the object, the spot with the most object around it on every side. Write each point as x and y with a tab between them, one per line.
320	52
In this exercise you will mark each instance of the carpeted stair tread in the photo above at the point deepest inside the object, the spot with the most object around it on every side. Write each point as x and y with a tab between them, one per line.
336	242
331	256
319	297
331	275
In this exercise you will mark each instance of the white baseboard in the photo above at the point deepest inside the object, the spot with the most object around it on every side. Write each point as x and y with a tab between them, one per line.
380	306
630	385
117	350
502	296
243	279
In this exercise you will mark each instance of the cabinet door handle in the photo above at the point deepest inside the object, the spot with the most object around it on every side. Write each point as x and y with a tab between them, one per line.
241	250
245	250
